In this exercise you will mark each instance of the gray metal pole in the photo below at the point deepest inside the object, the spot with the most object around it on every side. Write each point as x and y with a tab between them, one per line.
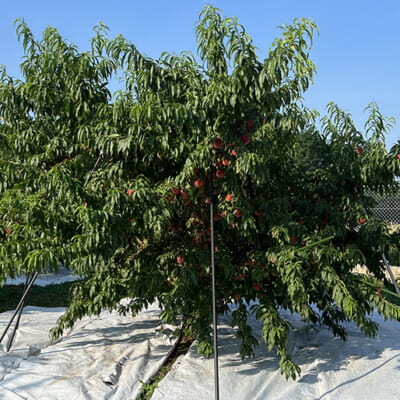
387	265
20	304
214	303
11	340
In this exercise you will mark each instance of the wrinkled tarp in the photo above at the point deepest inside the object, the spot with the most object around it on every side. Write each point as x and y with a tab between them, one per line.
108	356
360	368
103	357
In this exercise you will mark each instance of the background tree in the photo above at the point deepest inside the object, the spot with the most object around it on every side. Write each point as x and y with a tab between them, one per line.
118	187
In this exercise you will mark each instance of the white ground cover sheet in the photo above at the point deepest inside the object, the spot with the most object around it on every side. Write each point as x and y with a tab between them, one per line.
360	368
101	358
108	356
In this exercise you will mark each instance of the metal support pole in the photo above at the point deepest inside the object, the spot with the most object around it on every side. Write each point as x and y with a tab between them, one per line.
387	265
214	303
19	309
11	340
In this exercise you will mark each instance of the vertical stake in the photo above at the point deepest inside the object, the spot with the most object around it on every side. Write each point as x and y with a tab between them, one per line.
214	303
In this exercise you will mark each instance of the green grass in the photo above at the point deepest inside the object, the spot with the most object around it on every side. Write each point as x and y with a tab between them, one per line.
181	348
40	296
149	388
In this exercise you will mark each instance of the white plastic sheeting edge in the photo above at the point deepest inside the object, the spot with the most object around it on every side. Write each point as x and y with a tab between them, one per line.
46	278
360	368
101	358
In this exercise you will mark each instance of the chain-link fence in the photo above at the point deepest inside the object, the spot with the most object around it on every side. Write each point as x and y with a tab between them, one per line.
387	206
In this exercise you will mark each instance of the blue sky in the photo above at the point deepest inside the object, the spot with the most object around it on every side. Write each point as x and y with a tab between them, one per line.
357	51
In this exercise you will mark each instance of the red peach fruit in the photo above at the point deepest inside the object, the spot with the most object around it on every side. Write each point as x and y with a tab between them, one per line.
257	287
199	183
221	173
217	143
245	139
175	190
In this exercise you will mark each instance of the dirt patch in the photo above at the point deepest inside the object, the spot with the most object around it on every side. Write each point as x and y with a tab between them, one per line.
182	348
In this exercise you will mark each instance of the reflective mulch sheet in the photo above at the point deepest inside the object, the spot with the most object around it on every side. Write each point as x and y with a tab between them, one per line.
360	368
101	358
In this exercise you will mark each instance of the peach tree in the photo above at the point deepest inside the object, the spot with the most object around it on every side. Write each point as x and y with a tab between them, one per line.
117	187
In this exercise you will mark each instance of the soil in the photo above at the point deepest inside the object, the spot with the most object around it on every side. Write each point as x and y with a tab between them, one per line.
181	348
